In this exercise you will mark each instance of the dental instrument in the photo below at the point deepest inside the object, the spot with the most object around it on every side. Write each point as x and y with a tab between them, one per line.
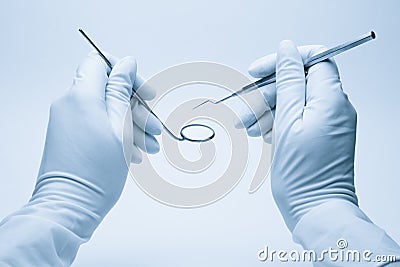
307	64
207	133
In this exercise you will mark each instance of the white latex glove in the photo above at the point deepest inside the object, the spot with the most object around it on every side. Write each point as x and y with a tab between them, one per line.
83	168
315	133
315	128
312	173
258	120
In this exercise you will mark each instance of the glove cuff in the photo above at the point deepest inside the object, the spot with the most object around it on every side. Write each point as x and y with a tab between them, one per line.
67	200
328	224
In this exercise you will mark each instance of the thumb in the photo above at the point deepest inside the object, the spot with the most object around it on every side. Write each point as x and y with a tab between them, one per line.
290	86
118	92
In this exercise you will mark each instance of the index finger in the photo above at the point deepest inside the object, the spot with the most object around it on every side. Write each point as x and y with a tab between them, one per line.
266	65
143	89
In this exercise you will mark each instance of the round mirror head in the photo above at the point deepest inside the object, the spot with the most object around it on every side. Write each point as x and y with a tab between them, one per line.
197	132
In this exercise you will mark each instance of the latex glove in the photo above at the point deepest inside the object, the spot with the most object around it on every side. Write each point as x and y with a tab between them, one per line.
256	113
315	128
315	133
258	117
83	169
86	127
312	173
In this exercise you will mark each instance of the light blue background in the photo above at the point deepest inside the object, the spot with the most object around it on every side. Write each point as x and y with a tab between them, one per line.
40	49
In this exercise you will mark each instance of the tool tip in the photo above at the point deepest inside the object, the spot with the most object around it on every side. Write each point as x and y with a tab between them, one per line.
373	35
202	103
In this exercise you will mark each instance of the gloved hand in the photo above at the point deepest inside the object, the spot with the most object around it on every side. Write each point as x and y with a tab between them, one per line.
312	173
83	161
314	132
83	169
258	118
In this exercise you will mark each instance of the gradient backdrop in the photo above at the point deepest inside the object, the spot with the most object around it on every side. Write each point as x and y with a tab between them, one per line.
41	48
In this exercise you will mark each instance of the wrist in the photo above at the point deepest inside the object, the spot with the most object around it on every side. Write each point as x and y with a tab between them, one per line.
342	225
69	201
